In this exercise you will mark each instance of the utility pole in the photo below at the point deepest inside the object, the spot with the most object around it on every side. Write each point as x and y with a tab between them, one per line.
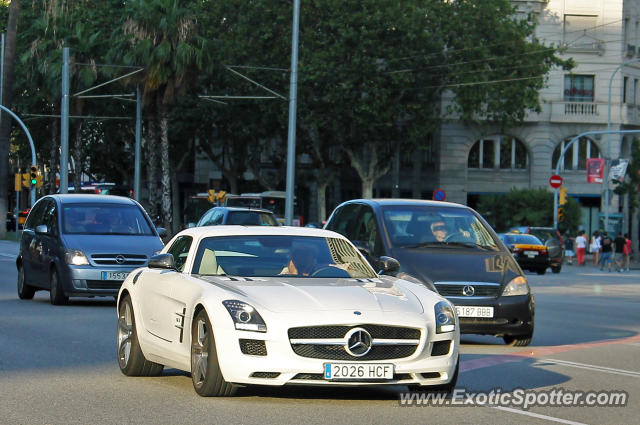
291	140
64	124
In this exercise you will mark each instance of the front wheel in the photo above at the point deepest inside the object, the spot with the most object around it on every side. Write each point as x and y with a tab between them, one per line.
130	357
556	269
205	370
25	291
56	293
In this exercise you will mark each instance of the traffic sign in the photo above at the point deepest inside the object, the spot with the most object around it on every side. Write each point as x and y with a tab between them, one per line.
439	195
555	181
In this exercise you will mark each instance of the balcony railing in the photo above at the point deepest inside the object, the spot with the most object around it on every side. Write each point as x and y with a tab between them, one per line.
580	108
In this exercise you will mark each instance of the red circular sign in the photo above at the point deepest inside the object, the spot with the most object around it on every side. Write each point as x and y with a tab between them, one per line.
555	181
439	195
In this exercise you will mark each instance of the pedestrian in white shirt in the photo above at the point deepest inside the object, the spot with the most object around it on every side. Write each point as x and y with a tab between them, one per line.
581	245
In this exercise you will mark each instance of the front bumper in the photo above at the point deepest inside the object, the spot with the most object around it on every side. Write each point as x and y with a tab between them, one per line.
512	315
87	281
282	366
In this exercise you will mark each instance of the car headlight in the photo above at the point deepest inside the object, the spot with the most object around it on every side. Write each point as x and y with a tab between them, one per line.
445	317
75	257
517	286
244	316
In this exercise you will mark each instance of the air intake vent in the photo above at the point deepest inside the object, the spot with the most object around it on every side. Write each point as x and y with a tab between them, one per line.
253	347
440	348
266	375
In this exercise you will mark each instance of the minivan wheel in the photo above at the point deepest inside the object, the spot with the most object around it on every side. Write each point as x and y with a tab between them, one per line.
541	271
25	291
56	293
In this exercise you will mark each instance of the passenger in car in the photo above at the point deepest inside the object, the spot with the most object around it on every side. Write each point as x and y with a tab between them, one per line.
302	262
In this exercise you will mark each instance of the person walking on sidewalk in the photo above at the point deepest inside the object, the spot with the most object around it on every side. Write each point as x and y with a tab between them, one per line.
581	246
627	251
568	247
595	247
619	243
607	248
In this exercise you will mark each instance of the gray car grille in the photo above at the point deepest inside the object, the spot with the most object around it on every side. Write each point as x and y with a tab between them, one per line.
327	342
480	289
119	259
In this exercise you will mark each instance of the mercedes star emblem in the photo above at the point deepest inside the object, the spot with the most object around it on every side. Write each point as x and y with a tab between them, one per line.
468	290
358	342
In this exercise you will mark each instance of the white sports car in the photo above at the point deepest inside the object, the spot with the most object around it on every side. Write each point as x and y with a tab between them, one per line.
239	305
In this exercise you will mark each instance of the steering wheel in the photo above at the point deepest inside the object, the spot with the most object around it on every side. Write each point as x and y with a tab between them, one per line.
329	271
451	235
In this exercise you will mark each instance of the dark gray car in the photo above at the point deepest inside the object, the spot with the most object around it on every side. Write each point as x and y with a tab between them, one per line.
83	245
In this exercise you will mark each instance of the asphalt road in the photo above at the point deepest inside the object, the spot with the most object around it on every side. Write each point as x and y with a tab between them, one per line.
58	366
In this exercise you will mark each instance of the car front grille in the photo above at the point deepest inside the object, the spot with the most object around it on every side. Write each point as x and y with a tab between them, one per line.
119	259
480	289
328	342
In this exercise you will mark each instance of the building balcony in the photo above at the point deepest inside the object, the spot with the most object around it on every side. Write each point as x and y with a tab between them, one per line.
578	112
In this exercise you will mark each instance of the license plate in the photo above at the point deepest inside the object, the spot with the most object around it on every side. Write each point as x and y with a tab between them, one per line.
467	311
357	371
114	275
531	253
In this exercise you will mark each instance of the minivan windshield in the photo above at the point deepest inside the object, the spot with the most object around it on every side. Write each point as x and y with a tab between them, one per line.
422	226
104	219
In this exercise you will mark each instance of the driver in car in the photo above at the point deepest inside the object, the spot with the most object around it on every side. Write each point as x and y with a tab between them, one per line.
440	231
302	262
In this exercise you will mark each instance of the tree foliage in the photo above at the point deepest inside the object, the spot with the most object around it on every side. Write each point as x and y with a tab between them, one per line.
527	207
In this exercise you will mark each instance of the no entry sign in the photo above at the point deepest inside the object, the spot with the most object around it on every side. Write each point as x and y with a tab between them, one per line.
555	181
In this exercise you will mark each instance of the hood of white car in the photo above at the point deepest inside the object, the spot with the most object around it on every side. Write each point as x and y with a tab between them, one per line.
322	294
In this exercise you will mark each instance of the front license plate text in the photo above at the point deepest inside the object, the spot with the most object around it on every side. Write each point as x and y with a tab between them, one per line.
468	311
114	275
357	371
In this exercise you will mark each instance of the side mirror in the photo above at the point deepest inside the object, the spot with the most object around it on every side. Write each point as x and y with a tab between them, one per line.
388	265
162	232
42	229
162	261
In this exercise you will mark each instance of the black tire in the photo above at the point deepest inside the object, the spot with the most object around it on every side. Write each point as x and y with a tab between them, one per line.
444	388
205	369
556	269
56	293
518	340
25	291
130	358
541	271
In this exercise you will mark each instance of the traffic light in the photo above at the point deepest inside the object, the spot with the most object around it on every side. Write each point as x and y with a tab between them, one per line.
212	195
26	180
33	175
560	214
563	196
221	195
39	181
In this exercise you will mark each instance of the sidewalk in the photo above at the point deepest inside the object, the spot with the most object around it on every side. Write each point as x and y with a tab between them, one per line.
634	263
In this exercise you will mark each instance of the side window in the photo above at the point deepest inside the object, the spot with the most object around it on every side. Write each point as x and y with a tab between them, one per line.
180	250
35	215
367	232
345	220
213	219
50	217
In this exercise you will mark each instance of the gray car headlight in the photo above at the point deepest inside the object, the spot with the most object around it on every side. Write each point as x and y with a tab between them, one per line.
75	257
517	286
445	317
245	317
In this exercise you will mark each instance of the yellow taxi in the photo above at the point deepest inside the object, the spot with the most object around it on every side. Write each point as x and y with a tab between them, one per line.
529	251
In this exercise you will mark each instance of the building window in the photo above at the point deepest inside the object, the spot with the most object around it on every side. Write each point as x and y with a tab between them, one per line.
575	158
578	88
580	31
502	152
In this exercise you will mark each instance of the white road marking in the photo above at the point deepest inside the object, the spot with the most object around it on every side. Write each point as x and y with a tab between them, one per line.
536	415
594	367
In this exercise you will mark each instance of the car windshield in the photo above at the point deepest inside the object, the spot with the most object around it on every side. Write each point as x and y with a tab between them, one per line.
251	218
542	234
104	219
280	255
433	226
522	239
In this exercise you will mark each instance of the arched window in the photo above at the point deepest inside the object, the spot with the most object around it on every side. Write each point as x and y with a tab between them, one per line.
503	152
575	158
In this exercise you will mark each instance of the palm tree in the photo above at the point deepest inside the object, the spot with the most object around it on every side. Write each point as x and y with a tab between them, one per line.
164	39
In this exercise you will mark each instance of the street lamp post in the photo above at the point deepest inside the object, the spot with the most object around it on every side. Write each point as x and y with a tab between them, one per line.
607	158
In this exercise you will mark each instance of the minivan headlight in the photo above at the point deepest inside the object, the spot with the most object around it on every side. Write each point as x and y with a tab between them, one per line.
445	317
75	257
245	317
517	286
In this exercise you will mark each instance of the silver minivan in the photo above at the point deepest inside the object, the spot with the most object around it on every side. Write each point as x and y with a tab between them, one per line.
83	245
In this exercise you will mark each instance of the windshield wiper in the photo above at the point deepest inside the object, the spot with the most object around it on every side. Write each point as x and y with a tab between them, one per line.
468	244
